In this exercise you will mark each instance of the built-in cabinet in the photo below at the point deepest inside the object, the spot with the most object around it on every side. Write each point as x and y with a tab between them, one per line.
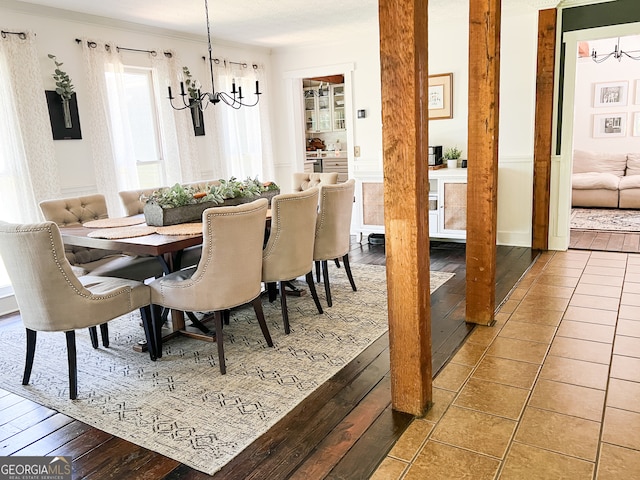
328	161
324	108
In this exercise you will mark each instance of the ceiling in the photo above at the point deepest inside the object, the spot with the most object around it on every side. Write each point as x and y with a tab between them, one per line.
265	23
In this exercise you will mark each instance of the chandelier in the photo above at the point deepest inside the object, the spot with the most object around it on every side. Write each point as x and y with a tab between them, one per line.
234	99
617	53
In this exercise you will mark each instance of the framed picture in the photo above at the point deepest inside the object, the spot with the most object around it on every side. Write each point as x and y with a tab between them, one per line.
636	124
637	99
609	125
440	96
612	94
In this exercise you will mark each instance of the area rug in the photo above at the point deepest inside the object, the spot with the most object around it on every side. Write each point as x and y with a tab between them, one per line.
181	406
602	219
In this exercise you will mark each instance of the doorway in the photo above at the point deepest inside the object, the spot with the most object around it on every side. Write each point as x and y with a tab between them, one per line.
605	102
336	78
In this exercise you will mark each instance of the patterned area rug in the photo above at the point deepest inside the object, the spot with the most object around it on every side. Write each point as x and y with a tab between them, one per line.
605	219
181	406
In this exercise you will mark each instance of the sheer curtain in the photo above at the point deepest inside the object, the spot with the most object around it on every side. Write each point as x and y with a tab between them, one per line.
181	152
110	130
114	161
243	137
28	169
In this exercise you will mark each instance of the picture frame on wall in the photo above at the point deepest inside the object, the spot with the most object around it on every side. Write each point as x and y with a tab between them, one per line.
440	96
610	125
636	124
610	94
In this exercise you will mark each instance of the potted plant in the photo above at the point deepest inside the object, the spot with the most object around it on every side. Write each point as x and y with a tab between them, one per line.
64	88
185	203
452	154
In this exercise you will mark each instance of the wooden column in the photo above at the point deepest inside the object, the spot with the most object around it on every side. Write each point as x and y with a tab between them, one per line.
543	128
403	58
484	87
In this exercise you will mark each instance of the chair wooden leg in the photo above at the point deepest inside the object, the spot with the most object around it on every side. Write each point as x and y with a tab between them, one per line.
104	333
325	277
317	262
151	316
283	306
337	261
347	269
312	289
226	316
93	334
31	350
73	367
220	341
257	307
272	291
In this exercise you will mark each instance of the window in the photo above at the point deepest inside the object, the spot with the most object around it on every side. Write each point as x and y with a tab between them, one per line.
132	104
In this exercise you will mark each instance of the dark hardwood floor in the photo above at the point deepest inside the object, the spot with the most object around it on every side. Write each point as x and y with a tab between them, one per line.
342	431
607	241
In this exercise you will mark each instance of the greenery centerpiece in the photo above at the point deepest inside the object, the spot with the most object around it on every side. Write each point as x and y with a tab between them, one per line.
185	203
64	88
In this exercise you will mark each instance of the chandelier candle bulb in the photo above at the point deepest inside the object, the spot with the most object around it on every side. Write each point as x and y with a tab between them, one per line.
257	88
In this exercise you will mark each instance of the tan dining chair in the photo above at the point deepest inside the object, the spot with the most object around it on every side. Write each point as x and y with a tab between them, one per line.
228	274
288	253
304	180
333	231
73	212
133	205
52	299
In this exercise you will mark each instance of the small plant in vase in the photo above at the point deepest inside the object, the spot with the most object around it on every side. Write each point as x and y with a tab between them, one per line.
451	155
64	88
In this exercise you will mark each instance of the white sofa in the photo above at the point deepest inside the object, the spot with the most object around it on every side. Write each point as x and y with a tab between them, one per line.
610	180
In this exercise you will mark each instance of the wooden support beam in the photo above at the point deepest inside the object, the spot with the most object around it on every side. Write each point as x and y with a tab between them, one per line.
543	128
482	178
403	59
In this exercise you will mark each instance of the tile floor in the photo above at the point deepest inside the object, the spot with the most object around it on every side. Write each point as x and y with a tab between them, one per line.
552	391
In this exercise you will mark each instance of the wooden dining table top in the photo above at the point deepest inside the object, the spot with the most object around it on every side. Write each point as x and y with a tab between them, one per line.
153	244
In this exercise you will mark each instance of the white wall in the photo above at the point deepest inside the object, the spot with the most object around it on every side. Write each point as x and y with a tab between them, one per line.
588	74
56	32
448	52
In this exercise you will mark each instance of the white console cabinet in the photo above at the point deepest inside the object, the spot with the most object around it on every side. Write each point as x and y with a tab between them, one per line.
448	203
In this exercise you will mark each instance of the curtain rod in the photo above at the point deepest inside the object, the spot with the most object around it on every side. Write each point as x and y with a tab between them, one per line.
21	35
242	64
92	44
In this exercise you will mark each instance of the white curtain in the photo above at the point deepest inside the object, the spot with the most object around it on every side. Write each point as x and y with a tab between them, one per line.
181	152
28	166
28	170
242	136
114	161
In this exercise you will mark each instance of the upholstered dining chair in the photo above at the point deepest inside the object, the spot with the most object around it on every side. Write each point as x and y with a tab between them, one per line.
52	299
73	212
288	252
228	274
303	180
333	230
133	205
